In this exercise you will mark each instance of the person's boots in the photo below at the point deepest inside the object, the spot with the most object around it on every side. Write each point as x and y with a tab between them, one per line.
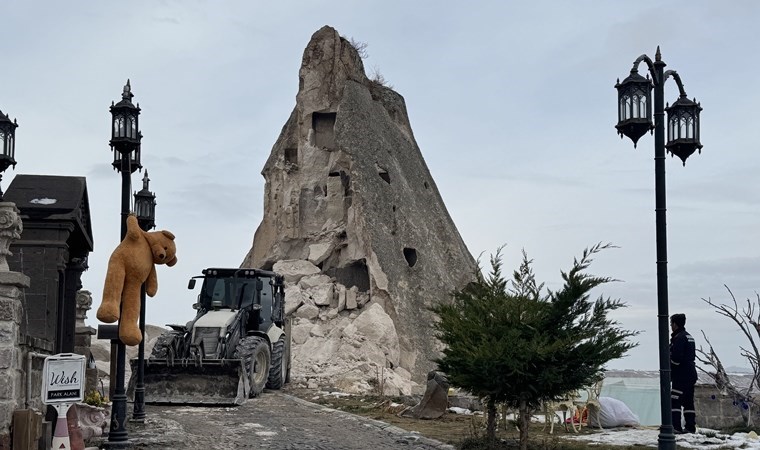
690	416
676	414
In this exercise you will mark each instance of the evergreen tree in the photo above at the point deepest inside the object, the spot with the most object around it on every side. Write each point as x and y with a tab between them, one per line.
513	342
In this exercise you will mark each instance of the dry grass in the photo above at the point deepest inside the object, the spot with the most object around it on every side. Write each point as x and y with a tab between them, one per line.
454	429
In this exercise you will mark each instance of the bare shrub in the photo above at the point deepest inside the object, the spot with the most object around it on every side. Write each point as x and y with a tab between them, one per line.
360	47
748	320
378	78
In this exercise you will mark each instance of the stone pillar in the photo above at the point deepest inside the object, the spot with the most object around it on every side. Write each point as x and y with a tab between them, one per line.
84	303
11	312
10	230
71	286
83	338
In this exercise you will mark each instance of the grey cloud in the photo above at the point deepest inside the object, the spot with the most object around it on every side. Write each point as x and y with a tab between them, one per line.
737	272
170	20
234	202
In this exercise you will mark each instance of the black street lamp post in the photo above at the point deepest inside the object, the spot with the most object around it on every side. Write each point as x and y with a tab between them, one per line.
145	208
125	144
7	145
634	120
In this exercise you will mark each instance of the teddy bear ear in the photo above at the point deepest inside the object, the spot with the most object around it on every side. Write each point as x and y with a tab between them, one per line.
168	234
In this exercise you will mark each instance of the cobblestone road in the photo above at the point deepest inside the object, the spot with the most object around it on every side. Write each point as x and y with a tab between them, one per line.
274	421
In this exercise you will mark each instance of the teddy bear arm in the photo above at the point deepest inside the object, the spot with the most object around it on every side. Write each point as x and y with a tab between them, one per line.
151	283
134	232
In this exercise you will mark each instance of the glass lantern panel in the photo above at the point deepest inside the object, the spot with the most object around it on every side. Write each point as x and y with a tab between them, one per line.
643	110
635	106
627	107
690	127
621	106
119	126
2	142
676	127
133	127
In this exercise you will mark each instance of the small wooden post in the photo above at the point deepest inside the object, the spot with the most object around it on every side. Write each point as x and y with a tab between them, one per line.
27	429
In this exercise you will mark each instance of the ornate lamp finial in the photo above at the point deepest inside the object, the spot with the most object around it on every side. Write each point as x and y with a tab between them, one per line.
127	92
146	180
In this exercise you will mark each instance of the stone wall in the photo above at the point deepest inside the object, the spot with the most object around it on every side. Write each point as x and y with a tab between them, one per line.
12	394
716	410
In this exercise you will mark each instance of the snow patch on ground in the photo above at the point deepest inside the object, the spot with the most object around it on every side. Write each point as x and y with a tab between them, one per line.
705	439
458	410
266	433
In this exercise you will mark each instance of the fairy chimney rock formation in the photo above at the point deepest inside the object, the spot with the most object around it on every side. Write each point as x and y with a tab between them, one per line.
353	219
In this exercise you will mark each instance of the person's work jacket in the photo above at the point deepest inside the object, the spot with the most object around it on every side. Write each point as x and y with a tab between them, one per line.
682	355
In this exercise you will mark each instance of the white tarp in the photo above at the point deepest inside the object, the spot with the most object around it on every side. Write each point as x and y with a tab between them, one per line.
614	413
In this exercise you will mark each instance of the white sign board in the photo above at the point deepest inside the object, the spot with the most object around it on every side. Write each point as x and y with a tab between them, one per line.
63	379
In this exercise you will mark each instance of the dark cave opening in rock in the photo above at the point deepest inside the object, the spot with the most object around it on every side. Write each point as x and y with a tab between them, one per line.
384	175
353	274
410	255
291	156
323	125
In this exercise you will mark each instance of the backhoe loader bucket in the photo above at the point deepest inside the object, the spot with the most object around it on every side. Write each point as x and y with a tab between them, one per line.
187	382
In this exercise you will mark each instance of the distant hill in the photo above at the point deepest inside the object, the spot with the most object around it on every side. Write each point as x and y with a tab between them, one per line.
740	376
737	369
630	373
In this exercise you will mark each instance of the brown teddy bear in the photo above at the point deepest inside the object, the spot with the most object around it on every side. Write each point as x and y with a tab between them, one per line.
132	264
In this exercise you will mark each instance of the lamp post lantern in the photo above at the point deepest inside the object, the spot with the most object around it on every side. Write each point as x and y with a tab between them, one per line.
634	120
125	144
145	205
145	208
7	145
683	127
634	106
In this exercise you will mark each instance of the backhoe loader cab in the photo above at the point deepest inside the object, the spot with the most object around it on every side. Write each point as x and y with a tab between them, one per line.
238	342
241	289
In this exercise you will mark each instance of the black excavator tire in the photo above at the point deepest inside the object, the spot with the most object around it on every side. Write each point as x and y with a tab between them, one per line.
277	373
253	349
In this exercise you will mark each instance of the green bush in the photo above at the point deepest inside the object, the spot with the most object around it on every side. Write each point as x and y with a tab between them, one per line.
93	398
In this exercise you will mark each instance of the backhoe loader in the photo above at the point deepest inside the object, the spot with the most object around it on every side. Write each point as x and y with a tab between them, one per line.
237	344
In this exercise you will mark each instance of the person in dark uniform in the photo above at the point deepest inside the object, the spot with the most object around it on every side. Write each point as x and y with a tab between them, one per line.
683	375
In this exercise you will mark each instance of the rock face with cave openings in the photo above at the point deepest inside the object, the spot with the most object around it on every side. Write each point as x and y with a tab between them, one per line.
353	219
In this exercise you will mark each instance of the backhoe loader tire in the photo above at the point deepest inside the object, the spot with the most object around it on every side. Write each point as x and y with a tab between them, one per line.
254	351
161	348
279	370
288	358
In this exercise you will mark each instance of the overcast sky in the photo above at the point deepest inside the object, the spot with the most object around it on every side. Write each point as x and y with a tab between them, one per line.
511	103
